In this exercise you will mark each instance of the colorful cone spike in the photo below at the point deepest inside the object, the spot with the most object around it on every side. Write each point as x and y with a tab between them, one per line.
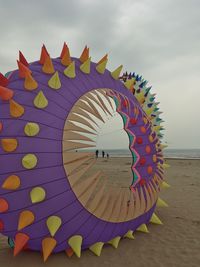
5	93
143	228
165	165
30	83
165	185
3	80
12	182
69	252
54	82
40	101
129	234
149	111
29	161
65	56
44	54
37	194
75	243
104	58
64	49
21	240
97	248
31	129
9	144
70	70
48	245
140	97
129	83
161	203
48	66
53	224
1	225
101	66
115	241
26	218
23	70
16	110
3	205
116	73
85	67
85	55
22	59
154	219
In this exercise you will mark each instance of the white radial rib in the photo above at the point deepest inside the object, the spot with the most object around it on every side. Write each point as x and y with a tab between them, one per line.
70	145
103	204
93	205
102	103
69	135
77	118
90	103
116	210
96	100
124	206
107	215
71	126
131	207
75	177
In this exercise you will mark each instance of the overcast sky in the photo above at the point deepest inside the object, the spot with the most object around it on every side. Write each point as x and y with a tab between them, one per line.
158	39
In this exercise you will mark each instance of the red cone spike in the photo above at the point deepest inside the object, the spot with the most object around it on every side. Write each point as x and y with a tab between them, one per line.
64	50
5	93
1	225
22	59
21	240
23	70
3	80
44	54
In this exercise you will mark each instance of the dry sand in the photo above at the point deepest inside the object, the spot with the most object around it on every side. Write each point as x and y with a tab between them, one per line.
176	243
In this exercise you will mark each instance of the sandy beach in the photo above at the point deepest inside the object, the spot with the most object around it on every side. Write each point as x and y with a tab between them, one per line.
176	243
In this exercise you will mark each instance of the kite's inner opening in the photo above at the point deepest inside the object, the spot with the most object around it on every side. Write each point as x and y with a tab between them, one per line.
91	128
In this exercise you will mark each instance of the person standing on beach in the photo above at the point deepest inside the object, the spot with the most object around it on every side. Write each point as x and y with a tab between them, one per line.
103	154
107	156
97	153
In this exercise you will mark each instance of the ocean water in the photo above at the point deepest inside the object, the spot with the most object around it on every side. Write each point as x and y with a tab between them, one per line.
168	153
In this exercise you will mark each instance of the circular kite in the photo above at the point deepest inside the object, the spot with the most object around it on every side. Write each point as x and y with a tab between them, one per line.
50	112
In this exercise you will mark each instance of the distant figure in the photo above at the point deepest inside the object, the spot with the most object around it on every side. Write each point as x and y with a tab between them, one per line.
97	153
103	154
107	156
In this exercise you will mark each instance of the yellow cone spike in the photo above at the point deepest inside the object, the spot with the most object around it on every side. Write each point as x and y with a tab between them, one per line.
102	66
97	248
143	228
9	144
31	129
161	203
29	161
165	165
26	218
115	241
75	243
129	83
155	219
48	245
165	185
70	70
156	128
116	73
129	235
12	182
162	146
37	194
149	111
140	97
54	82
29	83
16	110
85	67
85	55
40	100
53	224
48	66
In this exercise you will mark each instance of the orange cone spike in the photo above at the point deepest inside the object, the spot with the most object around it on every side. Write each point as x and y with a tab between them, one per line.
23	70
3	80
48	66
69	252
1	126
44	54
85	54
3	205
16	110
22	59
21	240
6	93
103	59
30	83
48	245
64	49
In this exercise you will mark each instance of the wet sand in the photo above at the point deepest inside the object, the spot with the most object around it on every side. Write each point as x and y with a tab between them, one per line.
176	243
